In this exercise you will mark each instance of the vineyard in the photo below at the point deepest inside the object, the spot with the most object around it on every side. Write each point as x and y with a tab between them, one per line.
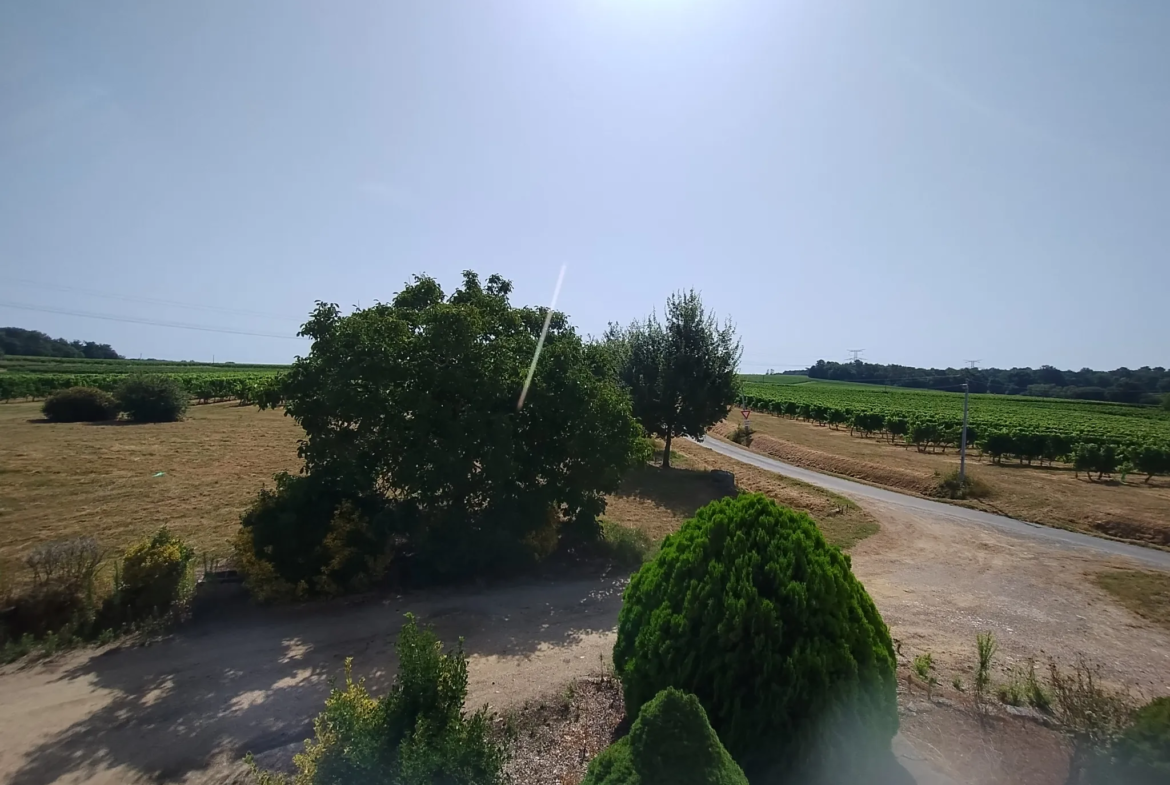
1096	437
25	378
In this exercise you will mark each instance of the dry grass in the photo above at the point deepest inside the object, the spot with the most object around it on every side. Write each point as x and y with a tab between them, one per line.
1145	593
63	480
843	523
1050	495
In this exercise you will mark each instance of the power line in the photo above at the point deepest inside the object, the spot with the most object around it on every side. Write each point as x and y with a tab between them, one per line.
153	300
152	322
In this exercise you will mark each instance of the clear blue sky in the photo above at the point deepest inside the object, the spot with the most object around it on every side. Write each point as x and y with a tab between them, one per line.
930	181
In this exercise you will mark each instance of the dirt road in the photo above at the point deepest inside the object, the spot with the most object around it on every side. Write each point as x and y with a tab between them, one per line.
186	709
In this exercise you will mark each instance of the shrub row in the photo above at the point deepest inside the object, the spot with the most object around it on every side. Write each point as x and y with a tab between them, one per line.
252	388
147	398
1086	452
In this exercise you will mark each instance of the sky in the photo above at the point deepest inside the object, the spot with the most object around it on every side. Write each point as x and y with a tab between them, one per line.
931	181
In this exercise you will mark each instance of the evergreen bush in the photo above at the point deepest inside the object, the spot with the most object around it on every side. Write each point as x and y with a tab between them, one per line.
748	608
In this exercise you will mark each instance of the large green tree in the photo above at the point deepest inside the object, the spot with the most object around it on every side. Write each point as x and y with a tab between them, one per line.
681	372
416	402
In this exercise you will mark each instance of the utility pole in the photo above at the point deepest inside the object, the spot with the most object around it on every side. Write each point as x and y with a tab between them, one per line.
963	439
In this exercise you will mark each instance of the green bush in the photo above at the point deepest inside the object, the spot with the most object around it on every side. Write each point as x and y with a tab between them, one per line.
416	735
80	404
304	537
152	398
1141	754
748	608
156	576
670	742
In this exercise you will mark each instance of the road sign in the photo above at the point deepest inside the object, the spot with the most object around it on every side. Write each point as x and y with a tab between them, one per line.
746	413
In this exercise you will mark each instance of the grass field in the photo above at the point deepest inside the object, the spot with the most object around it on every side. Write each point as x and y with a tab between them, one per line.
1051	495
65	480
59	481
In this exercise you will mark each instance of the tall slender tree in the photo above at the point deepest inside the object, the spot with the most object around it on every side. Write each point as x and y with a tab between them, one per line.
682	371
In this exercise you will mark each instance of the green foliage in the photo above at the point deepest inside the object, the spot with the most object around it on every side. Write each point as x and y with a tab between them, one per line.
670	742
40	377
748	608
1027	429
156	577
1102	459
681	373
924	668
985	648
626	545
417	734
1141	753
305	537
14	340
1150	459
1166	402
152	398
415	402
80	404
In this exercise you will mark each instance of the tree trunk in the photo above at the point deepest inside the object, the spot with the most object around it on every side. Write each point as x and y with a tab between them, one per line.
666	450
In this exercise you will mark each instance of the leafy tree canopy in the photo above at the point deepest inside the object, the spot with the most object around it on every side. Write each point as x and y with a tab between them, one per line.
416	401
33	343
682	373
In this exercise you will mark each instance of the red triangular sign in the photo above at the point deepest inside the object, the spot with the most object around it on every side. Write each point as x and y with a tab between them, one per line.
746	413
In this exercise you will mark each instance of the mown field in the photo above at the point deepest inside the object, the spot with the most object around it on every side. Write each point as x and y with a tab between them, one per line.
65	480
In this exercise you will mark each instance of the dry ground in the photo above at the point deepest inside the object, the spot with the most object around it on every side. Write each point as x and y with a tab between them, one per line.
1049	495
183	710
62	480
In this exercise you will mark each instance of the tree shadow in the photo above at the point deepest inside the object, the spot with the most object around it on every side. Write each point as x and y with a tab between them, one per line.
250	679
682	491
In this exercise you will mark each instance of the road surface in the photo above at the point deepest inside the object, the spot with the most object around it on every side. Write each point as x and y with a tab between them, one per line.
860	491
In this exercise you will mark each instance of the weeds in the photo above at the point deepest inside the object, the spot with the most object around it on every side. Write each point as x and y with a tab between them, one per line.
957	683
986	647
1090	714
948	486
924	667
626	545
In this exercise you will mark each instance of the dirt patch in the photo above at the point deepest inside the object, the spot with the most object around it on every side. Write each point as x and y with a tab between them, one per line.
1134	530
558	735
657	500
835	464
1000	749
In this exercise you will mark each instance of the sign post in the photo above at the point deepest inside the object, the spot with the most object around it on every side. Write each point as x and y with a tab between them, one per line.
747	423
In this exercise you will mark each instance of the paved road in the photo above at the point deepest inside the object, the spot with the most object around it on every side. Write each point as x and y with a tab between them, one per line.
860	491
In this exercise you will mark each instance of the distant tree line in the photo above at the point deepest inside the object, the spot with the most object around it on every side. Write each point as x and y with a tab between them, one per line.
33	343
1122	385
